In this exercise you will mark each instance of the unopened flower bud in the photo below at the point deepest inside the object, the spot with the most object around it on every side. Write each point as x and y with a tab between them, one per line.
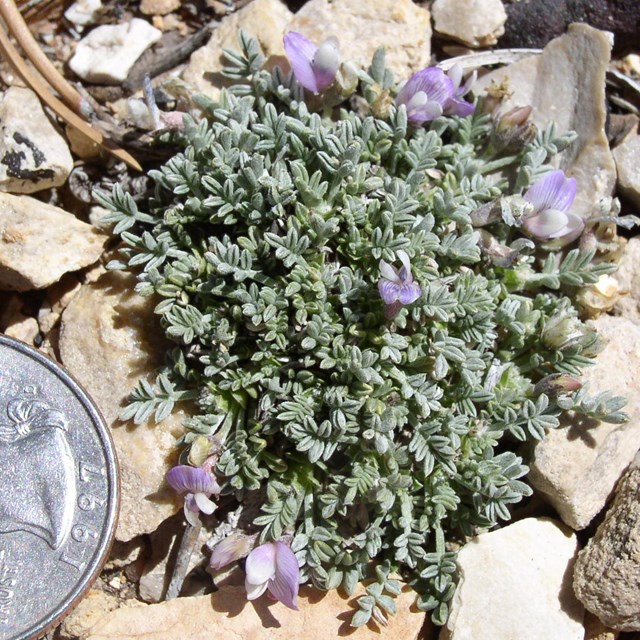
557	384
513	129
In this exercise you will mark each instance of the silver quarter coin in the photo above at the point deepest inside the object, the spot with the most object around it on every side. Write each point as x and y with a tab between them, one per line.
59	492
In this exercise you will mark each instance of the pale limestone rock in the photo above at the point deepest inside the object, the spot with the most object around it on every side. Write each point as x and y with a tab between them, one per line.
556	85
607	572
475	23
362	27
58	297
264	19
577	466
628	277
95	605
106	55
227	614
159	7
23	328
627	158
39	243
515	583
84	12
33	155
109	340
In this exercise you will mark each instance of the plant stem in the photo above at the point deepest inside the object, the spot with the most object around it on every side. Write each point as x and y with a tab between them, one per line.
187	545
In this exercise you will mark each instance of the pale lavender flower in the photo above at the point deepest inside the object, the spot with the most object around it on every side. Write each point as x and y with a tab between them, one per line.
232	548
456	106
197	485
397	285
425	95
314	67
273	566
551	221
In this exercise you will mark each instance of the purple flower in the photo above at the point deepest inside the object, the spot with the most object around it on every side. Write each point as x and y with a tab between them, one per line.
456	106
397	285
273	566
425	95
197	485
314	67
552	197
431	93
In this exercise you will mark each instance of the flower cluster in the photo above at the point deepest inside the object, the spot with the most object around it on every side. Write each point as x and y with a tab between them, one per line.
551	219
431	93
359	312
197	485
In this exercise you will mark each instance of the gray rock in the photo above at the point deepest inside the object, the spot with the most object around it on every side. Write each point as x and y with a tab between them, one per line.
106	55
108	340
627	159
577	466
361	27
33	155
39	243
607	572
515	583
556	86
475	23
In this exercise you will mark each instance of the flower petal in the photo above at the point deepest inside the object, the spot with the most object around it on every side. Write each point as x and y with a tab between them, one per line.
260	566
204	504
389	291
575	226
191	512
469	82
456	107
389	272
455	75
409	292
432	81
547	224
424	113
405	272
284	586
255	590
553	191
186	479
301	52
325	63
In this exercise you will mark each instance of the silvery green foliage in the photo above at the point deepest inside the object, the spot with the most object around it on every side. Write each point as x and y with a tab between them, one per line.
375	442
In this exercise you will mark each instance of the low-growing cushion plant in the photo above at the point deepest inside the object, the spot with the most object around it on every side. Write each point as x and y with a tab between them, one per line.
370	293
